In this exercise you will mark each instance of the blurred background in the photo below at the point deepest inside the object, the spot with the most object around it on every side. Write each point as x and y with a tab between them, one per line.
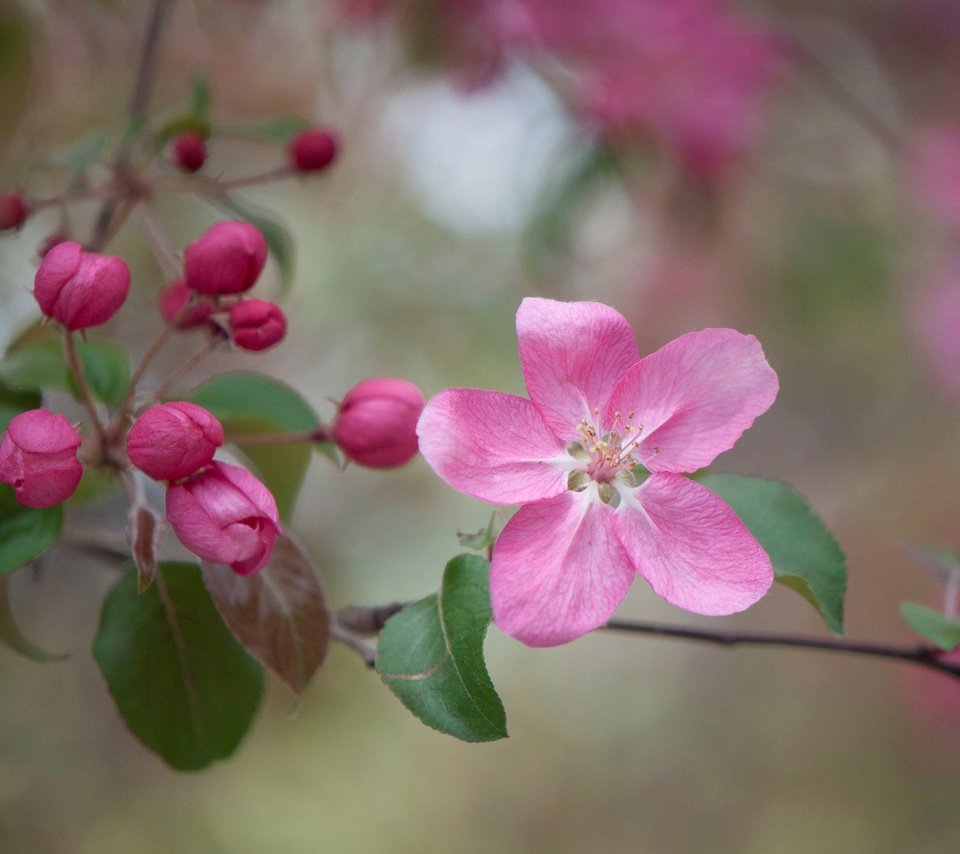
790	168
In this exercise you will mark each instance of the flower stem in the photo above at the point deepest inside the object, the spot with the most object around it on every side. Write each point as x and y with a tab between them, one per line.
83	387
185	368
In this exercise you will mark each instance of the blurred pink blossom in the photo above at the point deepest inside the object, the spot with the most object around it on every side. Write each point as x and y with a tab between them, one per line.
932	171
937	322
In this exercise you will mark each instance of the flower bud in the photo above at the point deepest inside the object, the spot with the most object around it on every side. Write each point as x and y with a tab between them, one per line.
173	301
257	324
377	422
14	209
173	440
189	151
225	515
80	289
312	150
38	458
226	259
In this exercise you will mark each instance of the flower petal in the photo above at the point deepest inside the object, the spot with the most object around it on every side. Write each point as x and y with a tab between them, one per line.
491	445
572	354
558	571
694	397
691	547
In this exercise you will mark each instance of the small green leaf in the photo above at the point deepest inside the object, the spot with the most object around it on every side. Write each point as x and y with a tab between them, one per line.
805	556
479	541
942	631
181	682
200	98
430	655
42	365
278	238
248	403
13	402
25	533
12	637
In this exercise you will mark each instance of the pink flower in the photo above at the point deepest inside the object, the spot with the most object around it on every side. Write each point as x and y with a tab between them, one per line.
376	424
80	289
227	259
173	440
189	151
38	458
257	324
312	150
172	303
225	515
570	454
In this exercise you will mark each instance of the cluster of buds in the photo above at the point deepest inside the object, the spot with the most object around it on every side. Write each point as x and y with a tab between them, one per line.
218	266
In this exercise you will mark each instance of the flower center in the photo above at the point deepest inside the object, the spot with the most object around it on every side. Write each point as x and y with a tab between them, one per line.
605	458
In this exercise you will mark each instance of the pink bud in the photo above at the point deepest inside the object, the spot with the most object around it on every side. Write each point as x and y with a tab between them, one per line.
38	458
14	209
257	324
189	151
227	259
377	422
80	289
312	150
173	440
225	515
173	301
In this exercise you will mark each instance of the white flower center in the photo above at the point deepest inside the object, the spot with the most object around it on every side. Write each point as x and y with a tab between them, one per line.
604	458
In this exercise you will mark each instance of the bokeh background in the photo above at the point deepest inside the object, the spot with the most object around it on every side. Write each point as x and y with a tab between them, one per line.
790	168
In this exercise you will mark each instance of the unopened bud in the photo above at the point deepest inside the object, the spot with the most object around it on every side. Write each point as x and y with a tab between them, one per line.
257	324
377	422
14	209
80	289
173	440
312	150
226	259
38	458
189	151
183	307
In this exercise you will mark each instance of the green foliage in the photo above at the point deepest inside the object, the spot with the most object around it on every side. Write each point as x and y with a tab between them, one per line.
276	129
805	556
25	532
278	614
13	402
42	365
13	638
252	404
940	630
83	153
482	540
182	683
196	118
430	655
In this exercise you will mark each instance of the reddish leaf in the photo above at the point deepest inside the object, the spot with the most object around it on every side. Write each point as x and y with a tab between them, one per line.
278	614
143	533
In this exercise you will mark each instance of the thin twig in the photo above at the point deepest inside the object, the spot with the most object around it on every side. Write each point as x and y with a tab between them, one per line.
83	387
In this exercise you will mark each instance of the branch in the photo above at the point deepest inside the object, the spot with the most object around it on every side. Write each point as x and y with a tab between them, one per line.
919	654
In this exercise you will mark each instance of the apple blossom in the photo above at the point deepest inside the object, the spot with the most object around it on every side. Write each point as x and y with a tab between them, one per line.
257	324
597	456
376	424
171	441
80	289
226	259
225	515
38	458
172	303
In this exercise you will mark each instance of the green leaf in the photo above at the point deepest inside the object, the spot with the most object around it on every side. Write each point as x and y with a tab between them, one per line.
13	402
200	98
12	637
278	614
942	631
181	682
805	556
25	533
42	365
430	655
479	541
248	403
278	238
